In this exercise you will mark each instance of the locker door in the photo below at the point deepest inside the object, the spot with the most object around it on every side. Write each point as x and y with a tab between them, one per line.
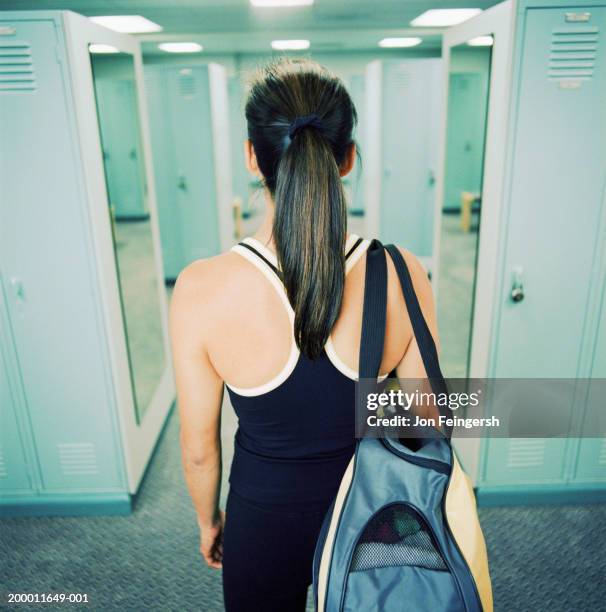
163	152
355	179
46	271
14	476
591	459
241	178
409	134
556	197
121	147
190	117
465	139
554	220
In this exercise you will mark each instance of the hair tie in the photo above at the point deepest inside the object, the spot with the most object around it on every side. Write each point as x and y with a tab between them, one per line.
302	122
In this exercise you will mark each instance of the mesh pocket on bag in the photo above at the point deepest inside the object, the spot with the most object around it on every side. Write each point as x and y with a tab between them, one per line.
395	537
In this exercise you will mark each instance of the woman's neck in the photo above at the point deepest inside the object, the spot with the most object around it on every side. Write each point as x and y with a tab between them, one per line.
265	231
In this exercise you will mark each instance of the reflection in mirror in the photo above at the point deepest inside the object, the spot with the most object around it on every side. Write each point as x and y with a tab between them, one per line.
468	89
118	116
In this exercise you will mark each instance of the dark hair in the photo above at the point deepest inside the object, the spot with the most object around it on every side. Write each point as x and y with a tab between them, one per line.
302	174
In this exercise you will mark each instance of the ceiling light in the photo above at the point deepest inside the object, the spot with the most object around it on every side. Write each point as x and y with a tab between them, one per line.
127	24
289	45
441	18
280	3
399	42
180	47
101	48
481	41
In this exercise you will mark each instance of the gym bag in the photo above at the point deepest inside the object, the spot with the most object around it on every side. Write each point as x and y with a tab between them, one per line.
402	533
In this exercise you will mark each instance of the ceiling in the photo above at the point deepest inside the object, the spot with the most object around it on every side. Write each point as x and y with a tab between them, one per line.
235	26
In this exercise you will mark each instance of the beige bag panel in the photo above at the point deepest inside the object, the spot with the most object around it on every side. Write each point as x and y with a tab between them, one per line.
462	517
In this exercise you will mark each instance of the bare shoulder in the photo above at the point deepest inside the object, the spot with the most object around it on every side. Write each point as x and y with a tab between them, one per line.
418	273
421	284
207	286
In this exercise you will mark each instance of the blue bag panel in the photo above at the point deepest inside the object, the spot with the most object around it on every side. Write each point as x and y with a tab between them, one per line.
401	589
381	478
437	449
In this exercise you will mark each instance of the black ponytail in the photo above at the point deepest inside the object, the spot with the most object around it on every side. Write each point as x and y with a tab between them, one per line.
300	122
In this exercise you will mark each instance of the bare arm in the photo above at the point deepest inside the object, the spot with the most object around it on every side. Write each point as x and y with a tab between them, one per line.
199	398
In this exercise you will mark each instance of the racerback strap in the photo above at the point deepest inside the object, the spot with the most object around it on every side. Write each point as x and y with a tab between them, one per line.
276	270
262	257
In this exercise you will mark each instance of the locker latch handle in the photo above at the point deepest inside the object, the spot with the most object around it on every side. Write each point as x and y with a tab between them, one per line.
17	286
517	286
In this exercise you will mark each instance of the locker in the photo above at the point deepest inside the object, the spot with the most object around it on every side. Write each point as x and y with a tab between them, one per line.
354	182
402	190
466	142
39	312
15	477
546	178
121	149
194	202
590	464
73	436
243	181
542	235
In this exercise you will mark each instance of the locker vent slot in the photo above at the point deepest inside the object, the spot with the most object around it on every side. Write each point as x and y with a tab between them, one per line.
526	453
602	455
573	53
3	470
16	67
400	77
78	459
187	85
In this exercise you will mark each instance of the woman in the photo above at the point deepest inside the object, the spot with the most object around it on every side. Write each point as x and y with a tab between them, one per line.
277	321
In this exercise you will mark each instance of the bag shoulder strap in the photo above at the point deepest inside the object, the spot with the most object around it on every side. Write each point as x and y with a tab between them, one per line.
374	312
427	346
425	341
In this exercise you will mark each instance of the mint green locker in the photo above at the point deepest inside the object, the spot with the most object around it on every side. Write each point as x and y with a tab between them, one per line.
15	476
354	182
73	439
191	120
590	465
410	111
45	255
184	163
121	147
465	136
554	225
243	181
165	172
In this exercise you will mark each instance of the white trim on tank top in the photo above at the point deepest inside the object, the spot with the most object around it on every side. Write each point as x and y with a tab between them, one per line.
293	358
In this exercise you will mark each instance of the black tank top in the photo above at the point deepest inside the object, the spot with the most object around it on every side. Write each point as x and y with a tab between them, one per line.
295	433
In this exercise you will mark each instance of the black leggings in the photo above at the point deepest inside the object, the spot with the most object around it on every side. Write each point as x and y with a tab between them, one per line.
267	555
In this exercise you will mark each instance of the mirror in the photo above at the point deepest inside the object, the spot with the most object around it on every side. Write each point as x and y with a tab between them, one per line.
468	90
118	116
